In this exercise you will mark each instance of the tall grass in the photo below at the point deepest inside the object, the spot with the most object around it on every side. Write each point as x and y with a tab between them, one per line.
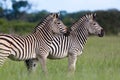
100	61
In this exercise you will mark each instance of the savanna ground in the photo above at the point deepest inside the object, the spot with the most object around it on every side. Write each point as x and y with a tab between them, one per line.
100	61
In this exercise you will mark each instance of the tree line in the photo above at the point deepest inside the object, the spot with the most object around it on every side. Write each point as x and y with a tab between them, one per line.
21	22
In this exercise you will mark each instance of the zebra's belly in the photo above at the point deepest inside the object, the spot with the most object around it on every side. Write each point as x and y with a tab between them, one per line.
12	57
21	56
57	55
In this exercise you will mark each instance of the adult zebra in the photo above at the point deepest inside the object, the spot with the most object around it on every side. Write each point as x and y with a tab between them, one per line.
33	45
71	46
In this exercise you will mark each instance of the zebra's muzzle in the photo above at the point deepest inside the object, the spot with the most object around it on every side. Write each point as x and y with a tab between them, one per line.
68	32
102	33
63	31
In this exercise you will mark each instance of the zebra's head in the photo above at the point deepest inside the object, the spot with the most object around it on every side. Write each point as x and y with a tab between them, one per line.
57	26
93	27
52	23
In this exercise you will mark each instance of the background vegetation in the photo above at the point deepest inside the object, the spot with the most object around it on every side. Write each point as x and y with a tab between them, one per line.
20	21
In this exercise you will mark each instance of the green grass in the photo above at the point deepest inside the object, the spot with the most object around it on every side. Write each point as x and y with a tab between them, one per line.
100	61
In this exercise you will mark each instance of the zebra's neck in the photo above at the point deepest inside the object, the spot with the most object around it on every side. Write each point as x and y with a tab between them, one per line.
44	32
81	32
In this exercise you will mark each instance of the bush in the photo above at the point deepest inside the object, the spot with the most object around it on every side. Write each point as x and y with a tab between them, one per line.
17	26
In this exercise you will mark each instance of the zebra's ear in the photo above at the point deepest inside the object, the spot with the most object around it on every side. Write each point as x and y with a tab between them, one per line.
56	15
94	15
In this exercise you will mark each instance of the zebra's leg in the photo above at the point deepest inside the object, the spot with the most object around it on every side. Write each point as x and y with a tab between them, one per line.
72	63
2	60
31	64
43	64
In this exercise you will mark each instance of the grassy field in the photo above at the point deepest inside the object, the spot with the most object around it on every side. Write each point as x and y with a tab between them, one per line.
100	61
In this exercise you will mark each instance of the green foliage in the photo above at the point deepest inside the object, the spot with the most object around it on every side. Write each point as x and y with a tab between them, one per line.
34	17
17	5
19	27
19	9
100	61
108	19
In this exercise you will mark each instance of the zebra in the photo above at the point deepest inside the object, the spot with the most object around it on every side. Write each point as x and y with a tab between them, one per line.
71	46
20	48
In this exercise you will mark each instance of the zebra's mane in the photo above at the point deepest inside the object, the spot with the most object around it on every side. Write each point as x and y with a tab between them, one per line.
80	20
43	21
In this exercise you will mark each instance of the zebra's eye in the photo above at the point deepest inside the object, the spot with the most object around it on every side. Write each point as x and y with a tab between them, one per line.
94	23
58	23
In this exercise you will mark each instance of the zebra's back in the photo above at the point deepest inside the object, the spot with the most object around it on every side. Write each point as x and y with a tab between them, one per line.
17	47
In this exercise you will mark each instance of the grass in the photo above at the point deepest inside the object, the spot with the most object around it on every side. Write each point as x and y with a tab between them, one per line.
100	61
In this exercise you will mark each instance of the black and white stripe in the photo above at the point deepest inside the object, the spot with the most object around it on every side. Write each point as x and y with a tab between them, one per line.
27	47
71	46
